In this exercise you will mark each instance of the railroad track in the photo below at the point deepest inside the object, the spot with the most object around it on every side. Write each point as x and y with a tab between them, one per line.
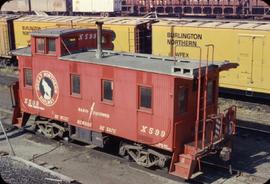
253	129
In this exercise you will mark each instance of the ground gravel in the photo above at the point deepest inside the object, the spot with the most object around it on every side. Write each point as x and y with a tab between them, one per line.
15	172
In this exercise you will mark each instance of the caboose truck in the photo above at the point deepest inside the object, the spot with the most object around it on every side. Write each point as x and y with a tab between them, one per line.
162	111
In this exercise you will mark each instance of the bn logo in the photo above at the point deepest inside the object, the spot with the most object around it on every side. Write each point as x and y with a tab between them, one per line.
46	87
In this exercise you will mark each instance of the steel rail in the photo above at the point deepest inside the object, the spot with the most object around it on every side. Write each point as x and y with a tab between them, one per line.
253	129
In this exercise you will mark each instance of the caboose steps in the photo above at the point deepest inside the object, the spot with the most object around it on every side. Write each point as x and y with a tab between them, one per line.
185	158
187	161
19	121
181	170
190	148
185	167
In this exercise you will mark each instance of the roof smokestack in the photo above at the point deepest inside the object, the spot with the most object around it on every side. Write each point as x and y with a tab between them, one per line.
99	39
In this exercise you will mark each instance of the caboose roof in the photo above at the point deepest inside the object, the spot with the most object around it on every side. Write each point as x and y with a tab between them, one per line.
55	32
143	62
178	67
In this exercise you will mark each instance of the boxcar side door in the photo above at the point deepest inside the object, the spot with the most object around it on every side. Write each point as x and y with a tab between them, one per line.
245	59
250	58
258	52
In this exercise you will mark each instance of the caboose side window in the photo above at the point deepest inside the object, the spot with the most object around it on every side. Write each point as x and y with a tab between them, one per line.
75	84
145	97
51	46
40	45
27	77
181	100
107	90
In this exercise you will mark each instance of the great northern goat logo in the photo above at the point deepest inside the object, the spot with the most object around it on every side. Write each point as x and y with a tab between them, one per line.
47	89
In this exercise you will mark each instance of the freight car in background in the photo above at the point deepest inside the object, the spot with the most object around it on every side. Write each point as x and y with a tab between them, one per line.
201	8
104	7
7	38
48	6
129	34
65	7
205	8
244	42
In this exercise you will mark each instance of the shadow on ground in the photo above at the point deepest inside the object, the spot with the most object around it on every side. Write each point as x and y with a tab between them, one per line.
251	155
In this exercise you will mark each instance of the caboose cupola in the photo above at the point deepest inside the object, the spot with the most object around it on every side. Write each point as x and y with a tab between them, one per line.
59	42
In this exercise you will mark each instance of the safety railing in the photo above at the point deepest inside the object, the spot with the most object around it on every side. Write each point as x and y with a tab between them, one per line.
219	126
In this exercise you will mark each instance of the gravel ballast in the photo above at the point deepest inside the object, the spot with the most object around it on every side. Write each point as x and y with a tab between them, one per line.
15	170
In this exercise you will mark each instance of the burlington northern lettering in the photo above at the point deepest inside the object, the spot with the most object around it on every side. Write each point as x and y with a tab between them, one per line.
183	39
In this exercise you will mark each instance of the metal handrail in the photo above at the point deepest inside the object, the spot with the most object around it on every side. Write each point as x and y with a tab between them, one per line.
198	100
206	91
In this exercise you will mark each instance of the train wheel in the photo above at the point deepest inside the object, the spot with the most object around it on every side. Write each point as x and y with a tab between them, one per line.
143	156
122	151
50	128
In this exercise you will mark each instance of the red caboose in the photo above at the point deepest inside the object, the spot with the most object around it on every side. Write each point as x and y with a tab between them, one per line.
161	110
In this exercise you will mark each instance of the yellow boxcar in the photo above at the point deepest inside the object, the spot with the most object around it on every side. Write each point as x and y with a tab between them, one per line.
6	35
245	42
131	34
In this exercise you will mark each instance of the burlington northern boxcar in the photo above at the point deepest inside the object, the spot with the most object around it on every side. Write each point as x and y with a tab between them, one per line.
245	42
162	111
